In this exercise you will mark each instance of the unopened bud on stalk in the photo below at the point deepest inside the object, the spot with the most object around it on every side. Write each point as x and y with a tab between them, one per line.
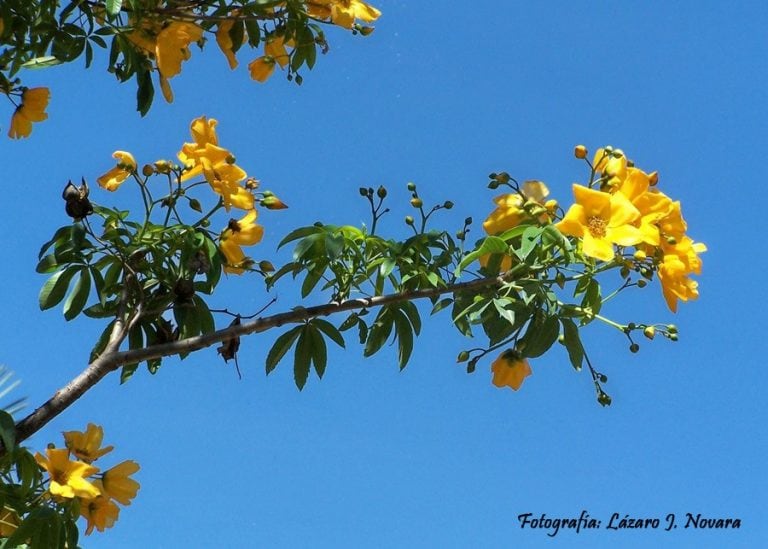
147	170
580	152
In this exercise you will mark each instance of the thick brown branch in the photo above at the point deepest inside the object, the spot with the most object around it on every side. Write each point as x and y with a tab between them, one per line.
112	359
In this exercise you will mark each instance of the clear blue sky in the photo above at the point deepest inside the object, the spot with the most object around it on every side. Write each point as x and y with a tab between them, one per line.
441	94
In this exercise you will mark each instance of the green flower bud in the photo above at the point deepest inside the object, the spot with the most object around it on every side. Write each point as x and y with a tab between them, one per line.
463	356
417	202
147	170
448	205
411	187
408	220
381	192
634	348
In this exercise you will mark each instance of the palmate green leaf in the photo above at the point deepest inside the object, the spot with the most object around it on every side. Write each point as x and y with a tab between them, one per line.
55	288
302	358
79	295
281	346
572	342
310	281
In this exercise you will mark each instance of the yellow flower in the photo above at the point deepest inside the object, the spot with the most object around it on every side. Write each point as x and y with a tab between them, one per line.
678	262
225	41
172	46
653	205
224	178
262	68
244	232
510	369
343	12
87	445
67	477
601	220
100	512
115	177
117	485
9	519
275	48
509	212
32	109
194	157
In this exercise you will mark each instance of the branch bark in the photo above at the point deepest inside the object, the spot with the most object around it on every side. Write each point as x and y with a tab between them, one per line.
111	359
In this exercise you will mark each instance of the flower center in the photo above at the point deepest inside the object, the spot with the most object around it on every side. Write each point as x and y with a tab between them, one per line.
596	226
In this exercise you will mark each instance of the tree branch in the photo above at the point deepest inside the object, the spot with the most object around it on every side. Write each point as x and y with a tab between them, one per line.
112	359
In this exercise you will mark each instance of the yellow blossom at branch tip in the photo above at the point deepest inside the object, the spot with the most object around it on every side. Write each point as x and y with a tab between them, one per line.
99	512
509	211
116	482
601	220
87	445
510	370
34	101
67	478
126	165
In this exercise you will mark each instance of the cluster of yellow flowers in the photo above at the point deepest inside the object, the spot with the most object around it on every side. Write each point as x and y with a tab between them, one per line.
205	157
78	478
34	101
169	45
622	207
628	210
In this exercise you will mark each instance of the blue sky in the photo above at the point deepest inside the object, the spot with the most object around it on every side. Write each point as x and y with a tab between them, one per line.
433	457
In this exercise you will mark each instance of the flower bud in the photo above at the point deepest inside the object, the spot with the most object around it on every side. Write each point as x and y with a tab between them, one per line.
461	235
468	221
230	159
653	178
252	183
642	283
273	203
493	184
363	191
147	170
448	205
411	187
580	152
381	192
503	177
266	267
671	328
640	255
417	202
365	31
649	332
463	356
634	348
162	166
408	220
551	205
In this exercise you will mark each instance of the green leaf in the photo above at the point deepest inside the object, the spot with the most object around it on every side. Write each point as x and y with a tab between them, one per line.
55	288
349	323
440	305
573	342
63	234
491	245
310	281
41	62
540	335
7	430
592	299
302	358
79	295
379	332
319	350
102	342
530	240
207	324
404	338
334	246
281	346
145	92
413	315
113	6
299	233
328	329
254	32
